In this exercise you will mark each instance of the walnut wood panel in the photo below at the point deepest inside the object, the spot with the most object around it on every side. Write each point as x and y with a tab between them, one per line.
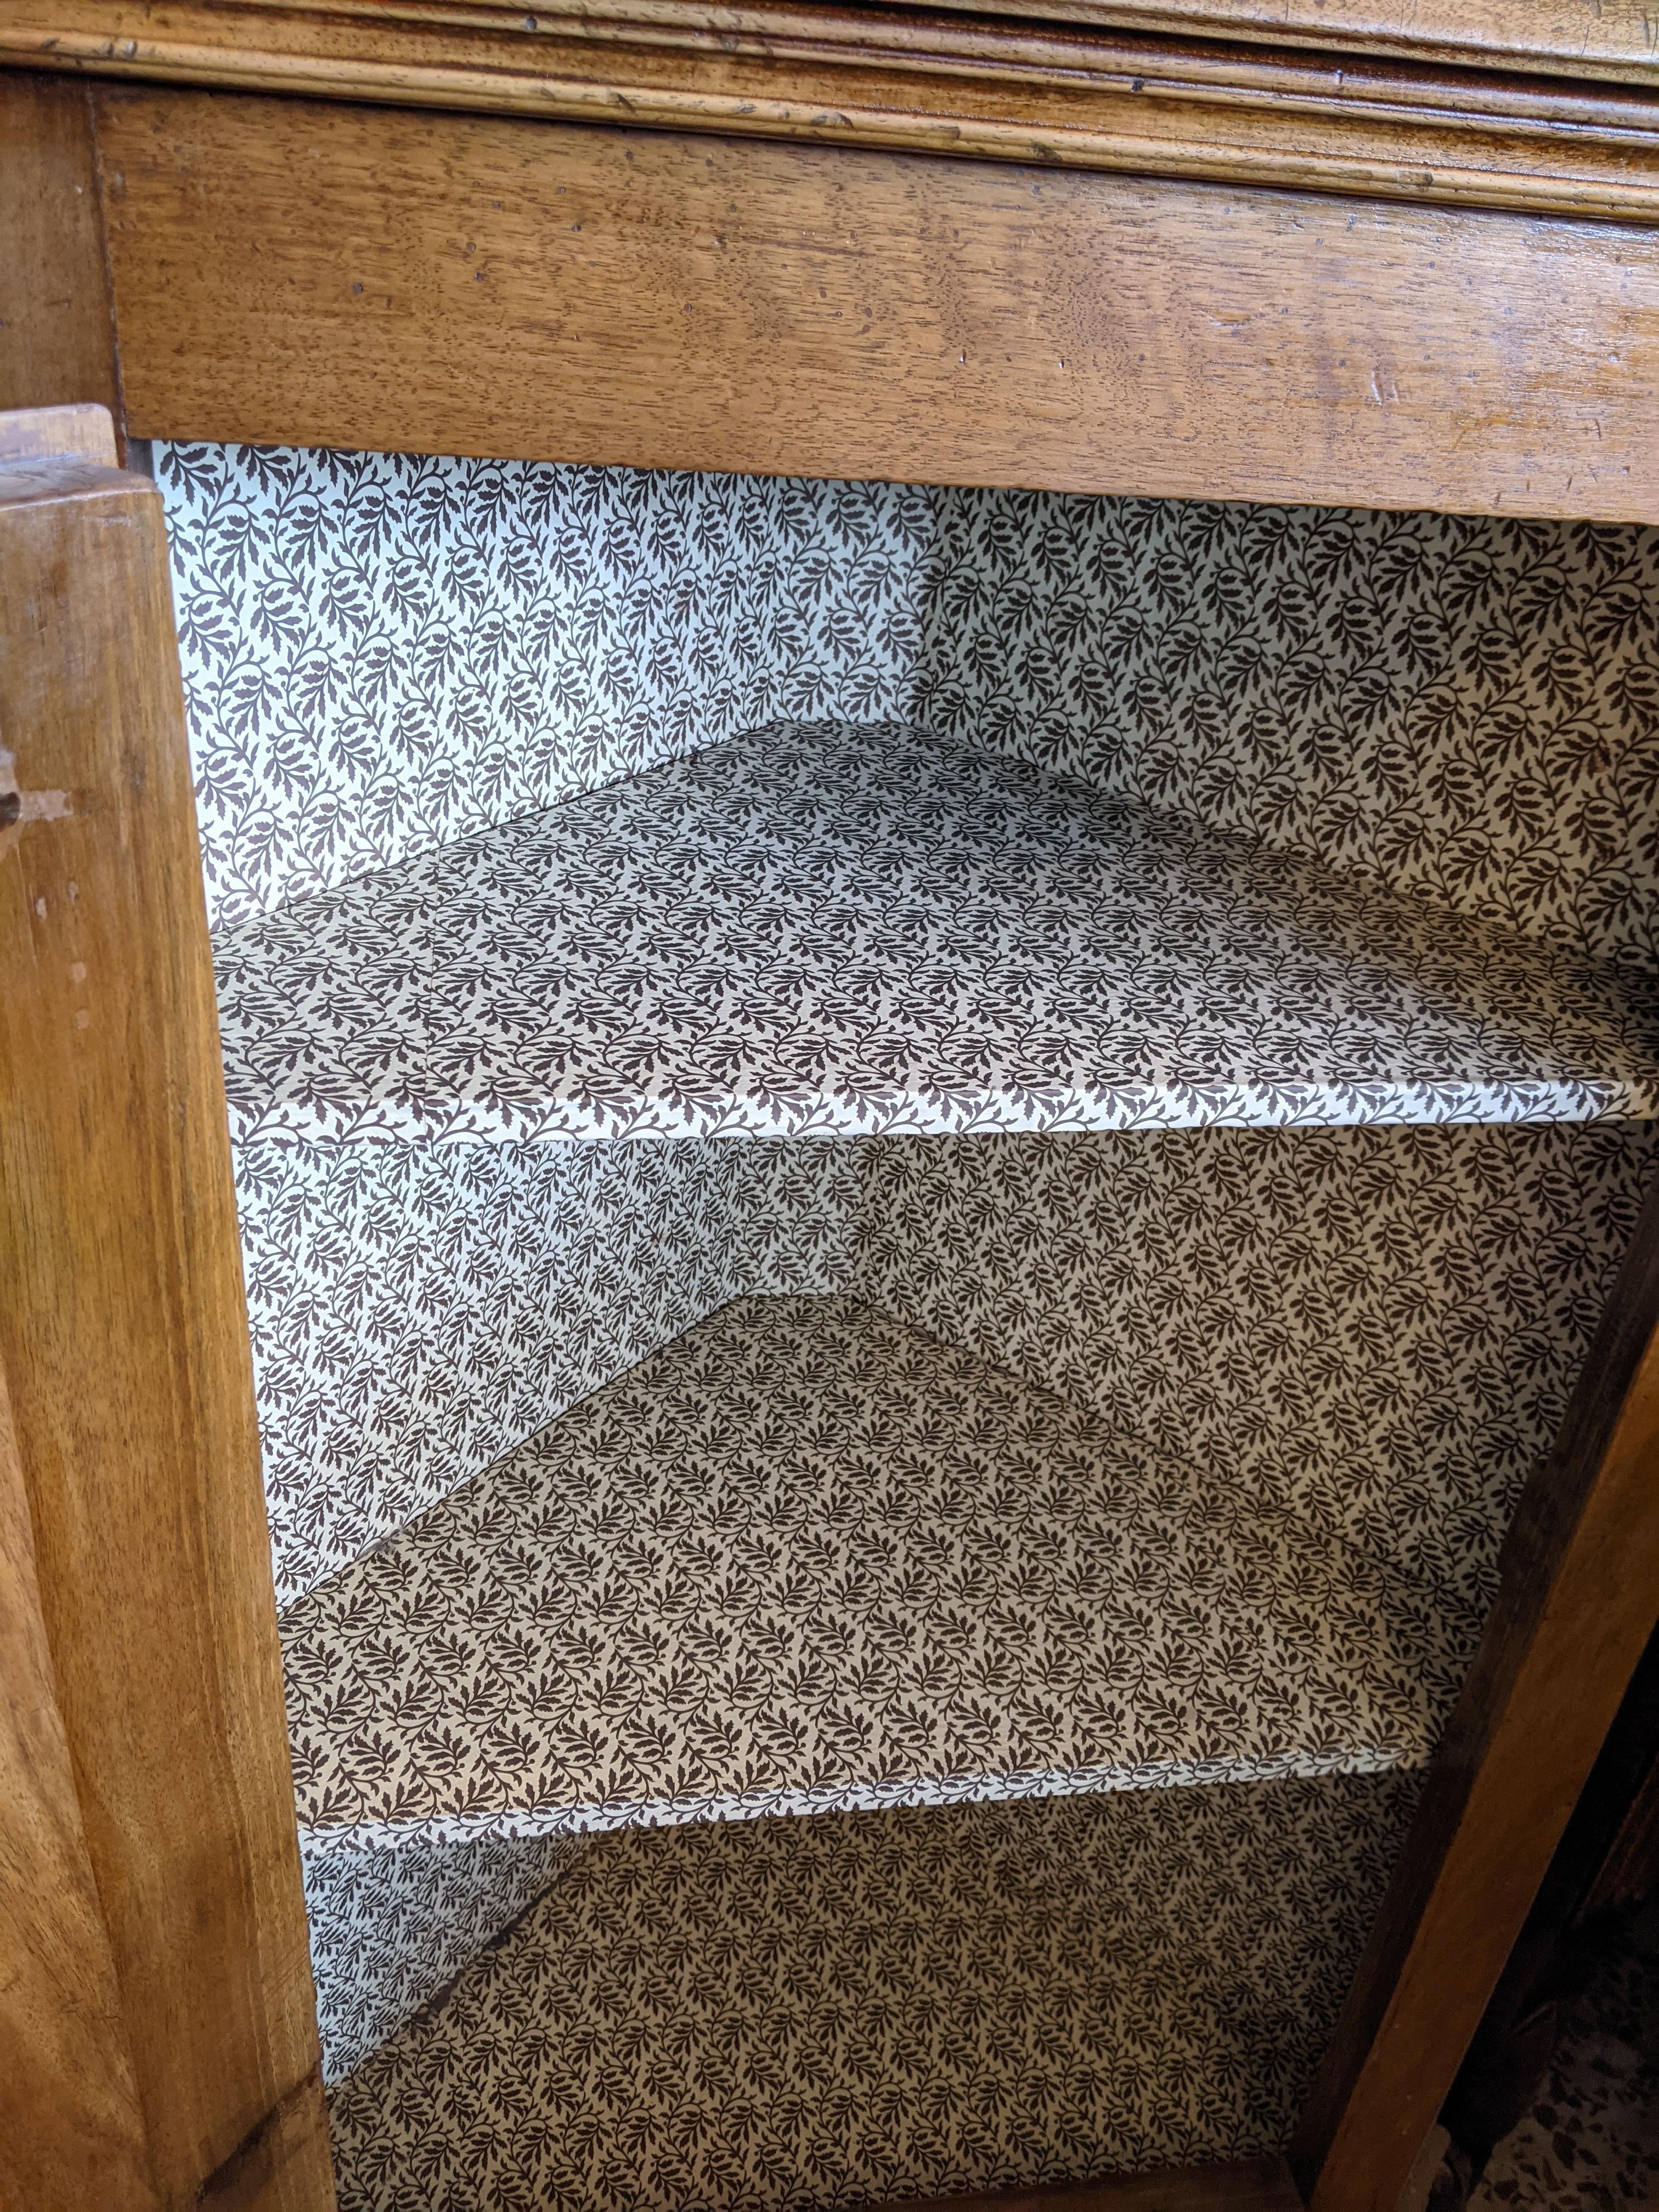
941	83
1255	2186
1578	1601
71	2133
326	275
56	319
124	1341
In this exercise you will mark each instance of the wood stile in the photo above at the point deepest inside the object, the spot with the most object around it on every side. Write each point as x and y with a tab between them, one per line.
1114	89
1579	1600
71	2132
163	1935
57	311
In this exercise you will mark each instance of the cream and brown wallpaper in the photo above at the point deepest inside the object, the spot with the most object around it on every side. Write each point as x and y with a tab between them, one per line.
640	899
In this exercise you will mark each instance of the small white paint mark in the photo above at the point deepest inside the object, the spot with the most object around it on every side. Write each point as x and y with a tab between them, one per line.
78	971
31	805
45	806
82	1019
40	907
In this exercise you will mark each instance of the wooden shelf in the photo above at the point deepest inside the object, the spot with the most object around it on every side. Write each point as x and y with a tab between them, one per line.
806	1559
837	931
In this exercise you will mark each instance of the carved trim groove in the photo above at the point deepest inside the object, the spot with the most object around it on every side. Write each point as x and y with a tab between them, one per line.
900	80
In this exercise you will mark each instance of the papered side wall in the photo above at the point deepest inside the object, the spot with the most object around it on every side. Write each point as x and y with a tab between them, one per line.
382	653
1466	708
390	1928
1379	1328
857	2007
417	1311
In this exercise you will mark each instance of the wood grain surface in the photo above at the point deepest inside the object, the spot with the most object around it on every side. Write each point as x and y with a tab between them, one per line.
71	2133
1611	39
1578	1601
47	433
56	317
313	274
1083	97
124	1341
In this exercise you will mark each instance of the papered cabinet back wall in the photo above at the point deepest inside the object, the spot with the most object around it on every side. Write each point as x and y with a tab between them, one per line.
918	1171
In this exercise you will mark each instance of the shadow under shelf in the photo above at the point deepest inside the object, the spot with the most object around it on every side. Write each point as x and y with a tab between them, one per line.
806	1559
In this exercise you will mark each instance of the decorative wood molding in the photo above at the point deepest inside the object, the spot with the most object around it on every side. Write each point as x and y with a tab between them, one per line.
902	80
1614	40
306	273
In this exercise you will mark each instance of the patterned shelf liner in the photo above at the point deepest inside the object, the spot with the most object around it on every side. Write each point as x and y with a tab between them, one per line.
807	1558
835	930
849	2011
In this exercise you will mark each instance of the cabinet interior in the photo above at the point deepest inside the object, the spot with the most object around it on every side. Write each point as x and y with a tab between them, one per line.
928	1159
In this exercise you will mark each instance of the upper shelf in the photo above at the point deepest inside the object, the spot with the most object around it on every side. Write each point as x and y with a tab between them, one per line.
835	932
806	1559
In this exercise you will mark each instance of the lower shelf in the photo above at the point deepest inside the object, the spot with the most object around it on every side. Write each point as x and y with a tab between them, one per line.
807	1558
873	2007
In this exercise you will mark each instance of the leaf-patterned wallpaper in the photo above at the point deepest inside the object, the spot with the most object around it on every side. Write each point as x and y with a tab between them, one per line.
1378	1328
807	1558
384	655
418	1310
830	930
868	2006
1466	708
383	652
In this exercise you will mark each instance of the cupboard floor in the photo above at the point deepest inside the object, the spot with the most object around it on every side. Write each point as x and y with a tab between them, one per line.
808	2013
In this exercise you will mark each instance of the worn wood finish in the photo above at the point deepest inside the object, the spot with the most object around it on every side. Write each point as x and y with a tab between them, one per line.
1254	2185
46	434
1616	40
124	1341
1607	1862
71	2133
319	275
854	76
1579	1600
56	317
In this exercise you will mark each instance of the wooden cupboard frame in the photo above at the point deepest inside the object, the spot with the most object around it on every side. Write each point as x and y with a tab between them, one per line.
198	257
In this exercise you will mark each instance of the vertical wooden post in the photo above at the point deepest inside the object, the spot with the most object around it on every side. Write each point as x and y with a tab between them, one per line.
139	1624
1579	1600
70	2128
58	342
